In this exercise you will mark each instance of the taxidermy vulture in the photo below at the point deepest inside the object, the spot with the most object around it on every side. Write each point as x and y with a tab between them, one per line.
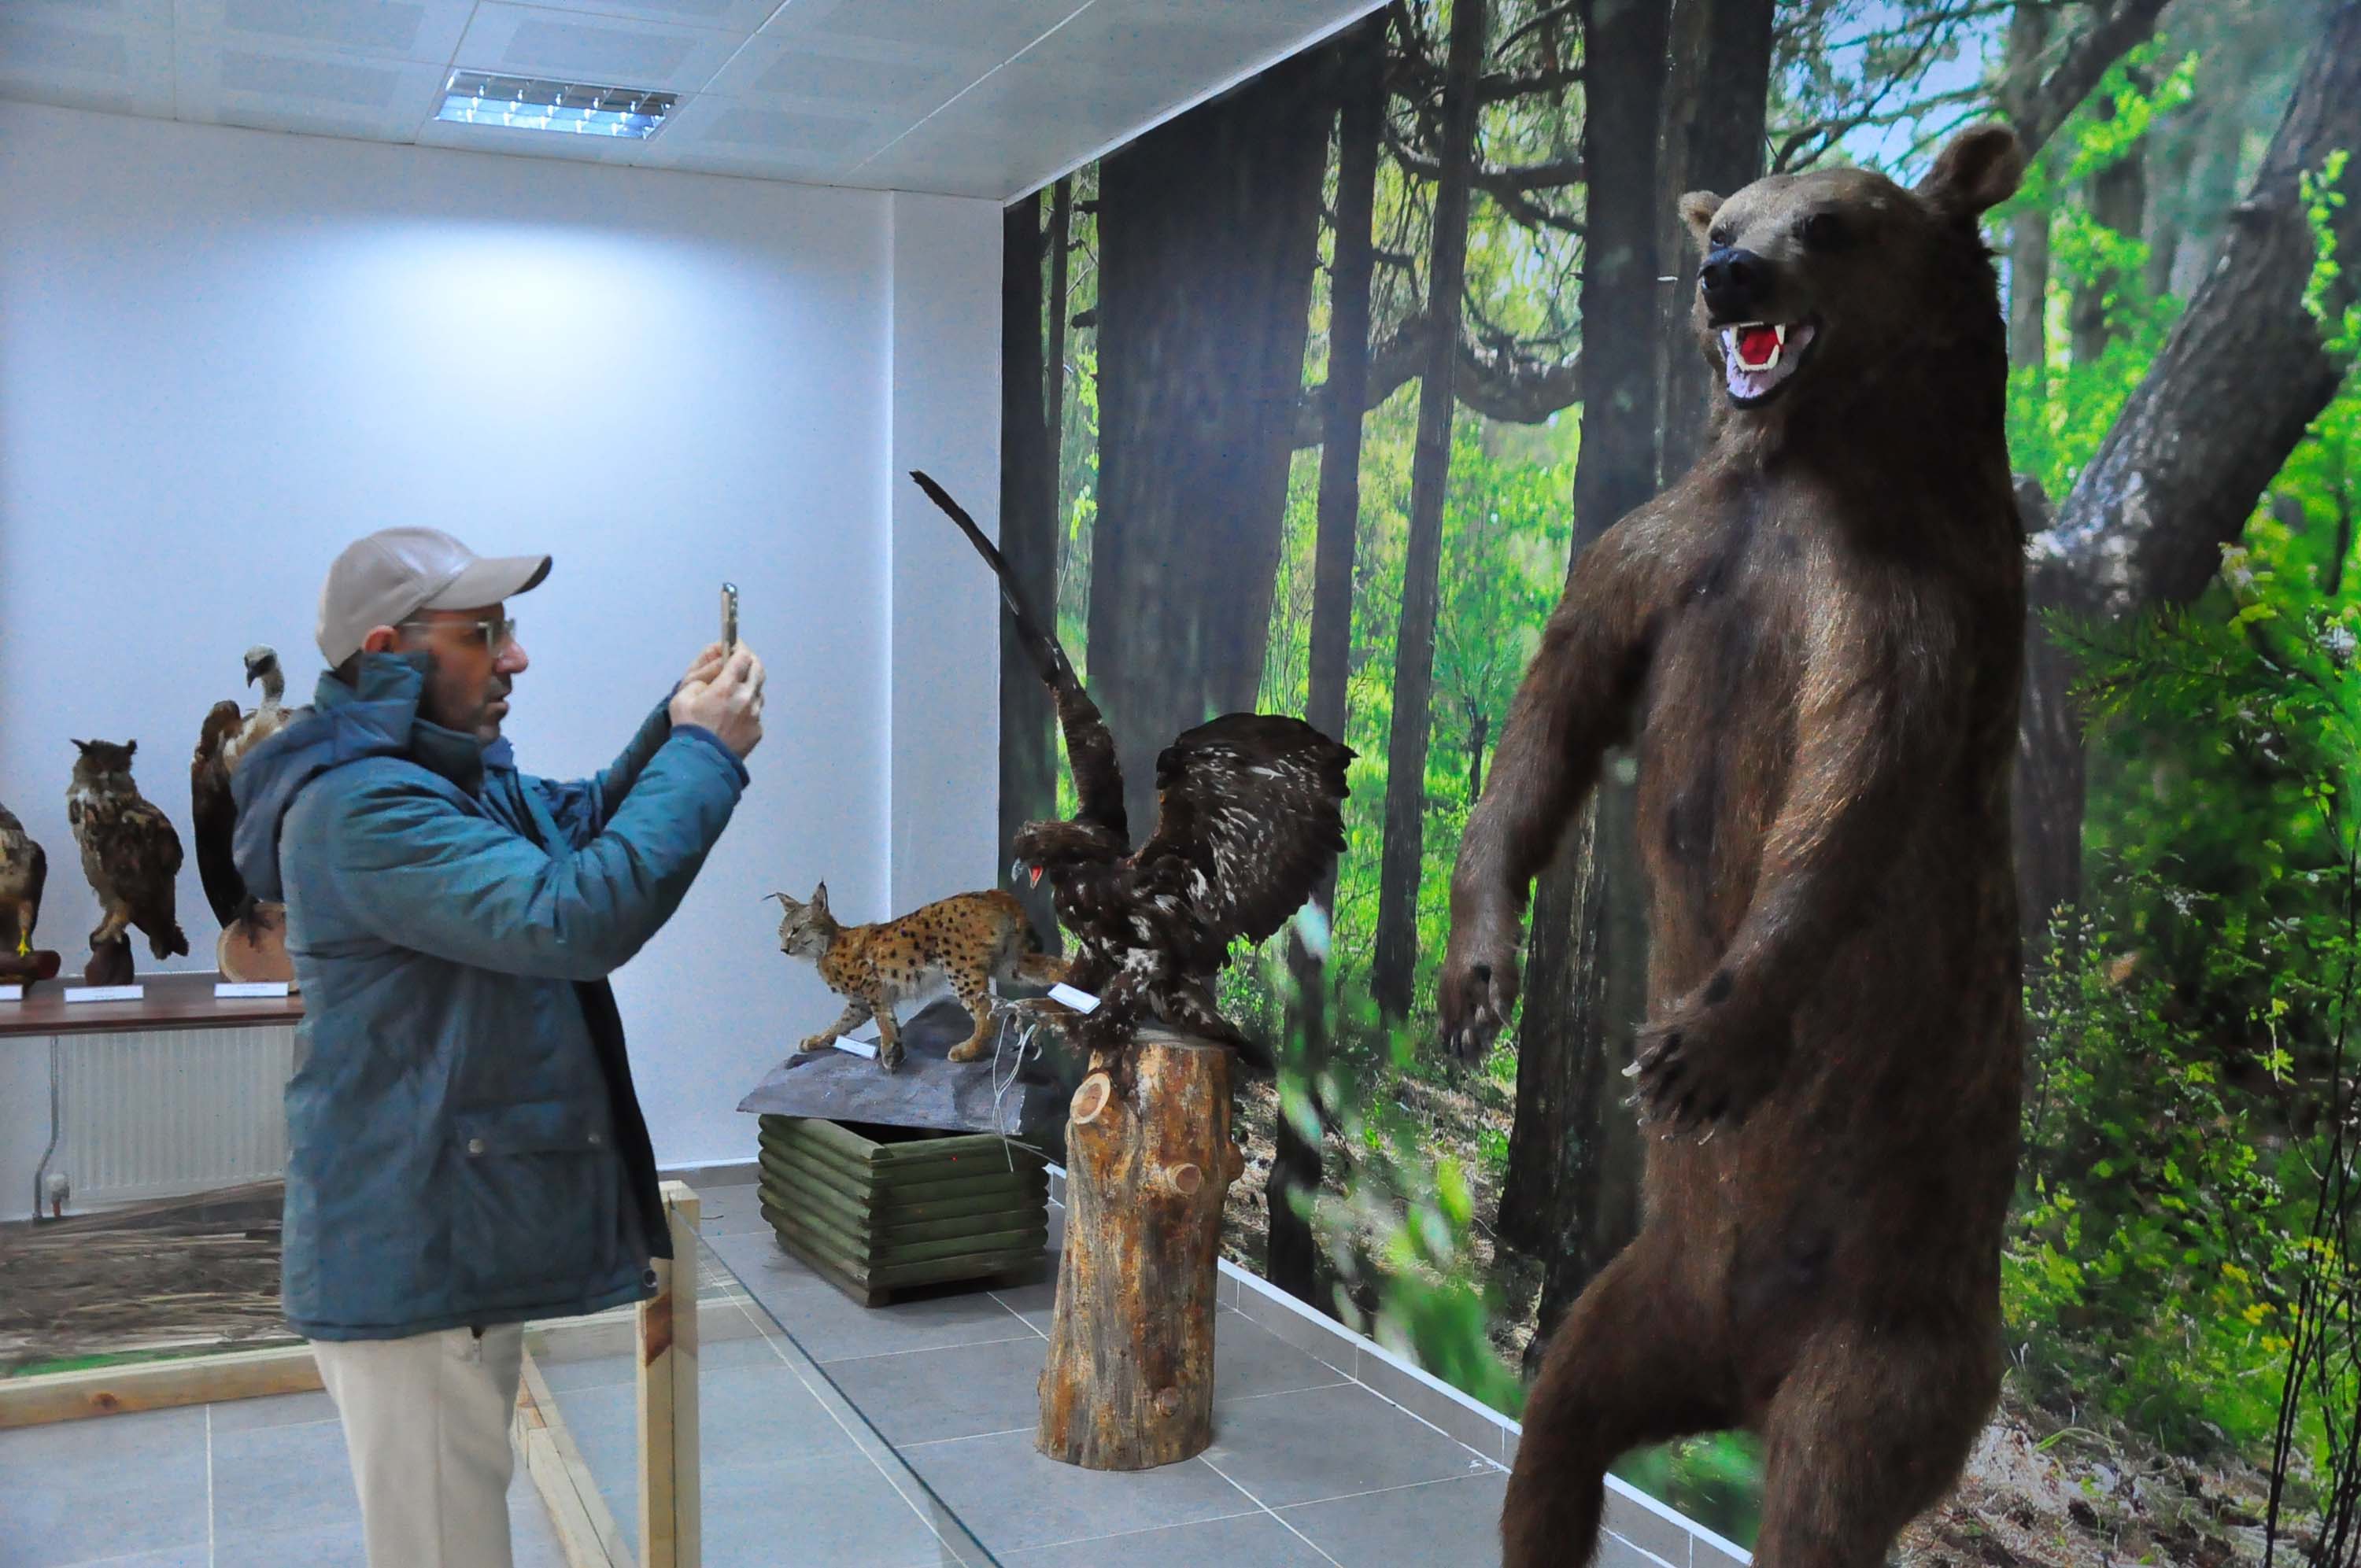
1249	819
227	735
24	871
129	852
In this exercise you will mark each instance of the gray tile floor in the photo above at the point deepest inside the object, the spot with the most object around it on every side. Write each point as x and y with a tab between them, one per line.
1308	1466
253	1482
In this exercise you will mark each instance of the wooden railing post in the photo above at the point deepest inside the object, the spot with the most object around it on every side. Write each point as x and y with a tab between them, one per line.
670	1536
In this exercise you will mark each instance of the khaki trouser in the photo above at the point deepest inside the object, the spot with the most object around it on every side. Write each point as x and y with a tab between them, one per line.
426	1424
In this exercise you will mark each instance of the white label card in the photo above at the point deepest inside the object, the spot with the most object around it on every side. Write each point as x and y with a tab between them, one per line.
12	993
250	988
858	1048
105	992
1080	1000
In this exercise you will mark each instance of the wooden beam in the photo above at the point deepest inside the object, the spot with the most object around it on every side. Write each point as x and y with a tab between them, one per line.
157	1385
586	1527
670	1525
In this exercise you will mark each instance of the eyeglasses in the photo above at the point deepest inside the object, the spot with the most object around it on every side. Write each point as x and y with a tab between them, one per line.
495	635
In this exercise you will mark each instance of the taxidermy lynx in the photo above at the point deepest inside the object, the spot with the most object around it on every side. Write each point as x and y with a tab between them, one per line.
964	942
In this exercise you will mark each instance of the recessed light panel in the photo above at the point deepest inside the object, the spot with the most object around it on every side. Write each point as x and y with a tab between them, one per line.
573	108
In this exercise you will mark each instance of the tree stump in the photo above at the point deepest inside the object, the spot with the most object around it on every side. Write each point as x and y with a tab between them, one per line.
110	964
254	947
1130	1383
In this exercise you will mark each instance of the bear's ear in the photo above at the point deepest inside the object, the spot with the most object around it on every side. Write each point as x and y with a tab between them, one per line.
1977	169
1698	209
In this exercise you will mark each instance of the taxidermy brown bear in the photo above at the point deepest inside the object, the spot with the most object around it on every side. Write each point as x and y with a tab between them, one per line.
1815	641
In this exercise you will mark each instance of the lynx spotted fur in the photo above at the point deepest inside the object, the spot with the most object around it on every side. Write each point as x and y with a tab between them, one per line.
962	943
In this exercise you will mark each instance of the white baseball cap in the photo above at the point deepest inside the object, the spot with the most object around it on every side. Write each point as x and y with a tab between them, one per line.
394	573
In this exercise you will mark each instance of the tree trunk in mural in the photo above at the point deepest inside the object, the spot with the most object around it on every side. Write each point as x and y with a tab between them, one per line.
1028	536
1394	963
1060	243
1209	239
1292	1262
2028	233
1587	990
1714	105
2118	199
2243	374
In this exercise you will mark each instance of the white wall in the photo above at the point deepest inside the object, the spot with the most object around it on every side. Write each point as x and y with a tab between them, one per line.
225	353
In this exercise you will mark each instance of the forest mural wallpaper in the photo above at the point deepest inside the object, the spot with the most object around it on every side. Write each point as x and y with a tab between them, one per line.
1315	391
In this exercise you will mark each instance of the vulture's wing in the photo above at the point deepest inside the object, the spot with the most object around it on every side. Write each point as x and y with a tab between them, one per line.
214	814
259	726
1090	746
38	881
1249	819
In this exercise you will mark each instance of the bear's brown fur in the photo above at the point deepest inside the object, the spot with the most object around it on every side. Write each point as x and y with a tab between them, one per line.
1814	639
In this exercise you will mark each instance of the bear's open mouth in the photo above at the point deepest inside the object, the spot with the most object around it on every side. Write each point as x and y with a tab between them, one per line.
1757	357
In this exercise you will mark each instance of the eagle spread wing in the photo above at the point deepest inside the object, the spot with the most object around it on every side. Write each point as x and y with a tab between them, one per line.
1249	819
1090	745
213	813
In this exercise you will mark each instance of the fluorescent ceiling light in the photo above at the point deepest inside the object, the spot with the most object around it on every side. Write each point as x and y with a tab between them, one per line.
477	98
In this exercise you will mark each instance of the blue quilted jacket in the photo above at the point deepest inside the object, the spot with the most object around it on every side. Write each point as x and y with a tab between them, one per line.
463	1143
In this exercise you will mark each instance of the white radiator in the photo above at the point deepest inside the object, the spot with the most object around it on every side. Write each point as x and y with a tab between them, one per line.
161	1113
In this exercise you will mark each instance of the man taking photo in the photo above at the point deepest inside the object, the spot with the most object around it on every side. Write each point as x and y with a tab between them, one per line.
465	1148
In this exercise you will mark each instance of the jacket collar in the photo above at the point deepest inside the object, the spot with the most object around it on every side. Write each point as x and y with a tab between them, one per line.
394	684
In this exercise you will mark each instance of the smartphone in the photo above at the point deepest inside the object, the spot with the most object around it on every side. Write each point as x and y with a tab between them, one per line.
729	617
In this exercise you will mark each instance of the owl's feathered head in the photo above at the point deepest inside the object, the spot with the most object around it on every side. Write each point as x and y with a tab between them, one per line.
102	762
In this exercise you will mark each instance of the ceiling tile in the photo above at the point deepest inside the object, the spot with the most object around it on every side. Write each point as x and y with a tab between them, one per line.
998	27
141	16
85	60
519	40
1187	45
815	71
710	127
399	30
739	16
294	87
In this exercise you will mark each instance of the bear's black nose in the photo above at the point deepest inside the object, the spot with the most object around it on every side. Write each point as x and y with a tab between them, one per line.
1735	283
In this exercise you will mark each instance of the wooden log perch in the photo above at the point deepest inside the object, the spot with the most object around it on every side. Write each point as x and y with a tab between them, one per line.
1129	1382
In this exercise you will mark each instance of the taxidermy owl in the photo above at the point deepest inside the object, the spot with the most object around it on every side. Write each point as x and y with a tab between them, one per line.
130	850
24	872
1249	819
227	735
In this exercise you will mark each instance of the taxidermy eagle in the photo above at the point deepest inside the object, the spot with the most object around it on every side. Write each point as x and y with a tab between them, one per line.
1249	819
130	850
24	872
228	734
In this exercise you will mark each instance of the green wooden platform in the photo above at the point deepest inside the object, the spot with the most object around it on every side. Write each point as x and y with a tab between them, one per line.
880	1209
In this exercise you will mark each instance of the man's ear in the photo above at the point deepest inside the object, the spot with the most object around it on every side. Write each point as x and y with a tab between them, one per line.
1977	169
380	640
1696	210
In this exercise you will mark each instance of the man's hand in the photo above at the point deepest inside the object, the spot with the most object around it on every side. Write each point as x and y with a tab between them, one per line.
707	665
723	693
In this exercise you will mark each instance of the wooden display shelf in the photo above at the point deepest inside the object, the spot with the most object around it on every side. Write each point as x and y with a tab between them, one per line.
173	1002
875	1215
